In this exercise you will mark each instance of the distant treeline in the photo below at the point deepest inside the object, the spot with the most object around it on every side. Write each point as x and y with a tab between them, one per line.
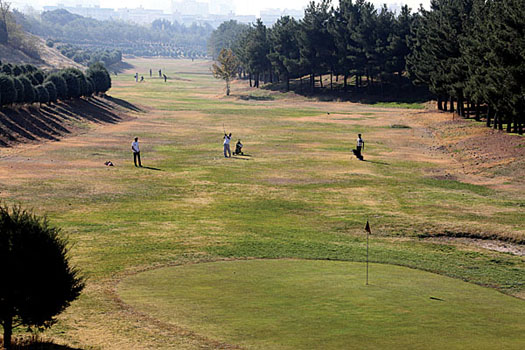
26	84
470	53
86	56
162	38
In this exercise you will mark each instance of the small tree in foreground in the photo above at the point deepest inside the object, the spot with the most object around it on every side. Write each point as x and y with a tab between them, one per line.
226	68
38	282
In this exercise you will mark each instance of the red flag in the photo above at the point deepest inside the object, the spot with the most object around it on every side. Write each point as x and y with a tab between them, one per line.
367	227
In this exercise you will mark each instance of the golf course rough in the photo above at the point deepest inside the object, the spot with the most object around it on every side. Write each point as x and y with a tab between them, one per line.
312	304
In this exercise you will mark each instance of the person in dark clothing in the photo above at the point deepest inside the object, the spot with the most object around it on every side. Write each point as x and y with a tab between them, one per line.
360	145
238	148
165	77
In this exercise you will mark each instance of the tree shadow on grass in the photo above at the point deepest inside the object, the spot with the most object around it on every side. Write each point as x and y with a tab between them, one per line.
123	103
406	93
33	122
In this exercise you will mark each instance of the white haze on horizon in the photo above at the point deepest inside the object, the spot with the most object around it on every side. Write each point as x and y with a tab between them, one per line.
242	7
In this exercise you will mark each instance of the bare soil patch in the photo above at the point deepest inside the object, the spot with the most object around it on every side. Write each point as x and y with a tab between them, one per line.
498	246
485	156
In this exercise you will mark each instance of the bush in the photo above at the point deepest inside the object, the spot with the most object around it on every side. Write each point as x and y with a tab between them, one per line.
42	94
50	43
17	70
100	76
81	79
73	86
29	90
60	85
39	77
38	282
19	87
51	91
6	69
30	68
90	86
7	90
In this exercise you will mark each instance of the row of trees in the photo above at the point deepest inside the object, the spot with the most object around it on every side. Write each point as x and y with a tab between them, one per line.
26	84
353	40
471	53
459	49
87	56
63	26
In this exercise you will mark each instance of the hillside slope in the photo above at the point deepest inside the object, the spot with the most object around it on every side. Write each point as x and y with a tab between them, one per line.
49	57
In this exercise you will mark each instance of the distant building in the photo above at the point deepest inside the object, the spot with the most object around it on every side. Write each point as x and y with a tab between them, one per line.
190	8
221	7
270	16
141	15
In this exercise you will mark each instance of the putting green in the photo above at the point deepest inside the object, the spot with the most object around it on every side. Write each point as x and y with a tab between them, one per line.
305	304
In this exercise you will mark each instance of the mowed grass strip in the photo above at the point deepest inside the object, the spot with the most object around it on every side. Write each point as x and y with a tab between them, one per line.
309	304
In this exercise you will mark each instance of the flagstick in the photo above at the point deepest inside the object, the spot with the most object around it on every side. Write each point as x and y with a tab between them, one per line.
367	234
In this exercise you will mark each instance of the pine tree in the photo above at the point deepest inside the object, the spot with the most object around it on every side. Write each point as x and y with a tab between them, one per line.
315	42
284	51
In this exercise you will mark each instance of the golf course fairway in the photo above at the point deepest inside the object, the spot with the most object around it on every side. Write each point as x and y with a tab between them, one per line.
311	304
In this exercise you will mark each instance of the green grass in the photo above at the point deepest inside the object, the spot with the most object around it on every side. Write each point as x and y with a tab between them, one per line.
300	304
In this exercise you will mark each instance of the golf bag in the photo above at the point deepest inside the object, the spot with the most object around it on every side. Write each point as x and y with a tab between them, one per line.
238	148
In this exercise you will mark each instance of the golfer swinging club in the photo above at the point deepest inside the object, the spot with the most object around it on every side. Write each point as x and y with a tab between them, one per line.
227	139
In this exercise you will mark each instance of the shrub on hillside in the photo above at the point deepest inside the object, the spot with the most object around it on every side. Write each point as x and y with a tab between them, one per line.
17	70
73	86
29	90
100	76
6	69
39	76
7	90
90	86
81	79
60	85
42	94
51	91
19	87
30	68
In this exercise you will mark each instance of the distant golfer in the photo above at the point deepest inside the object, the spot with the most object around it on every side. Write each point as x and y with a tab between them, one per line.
165	77
160	73
227	139
360	145
141	78
150	72
136	151
136	77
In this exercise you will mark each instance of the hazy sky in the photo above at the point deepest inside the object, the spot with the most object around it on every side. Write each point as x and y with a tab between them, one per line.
242	6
